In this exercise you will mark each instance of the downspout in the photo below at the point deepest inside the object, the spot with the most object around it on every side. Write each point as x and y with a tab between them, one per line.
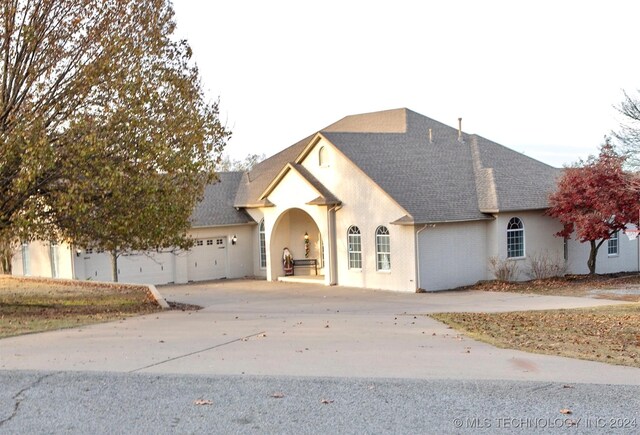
419	284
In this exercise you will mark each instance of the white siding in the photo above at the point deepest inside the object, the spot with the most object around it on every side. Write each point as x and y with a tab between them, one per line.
625	261
40	262
539	238
452	255
367	206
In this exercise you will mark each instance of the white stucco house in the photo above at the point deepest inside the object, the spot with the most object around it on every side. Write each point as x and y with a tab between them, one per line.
387	200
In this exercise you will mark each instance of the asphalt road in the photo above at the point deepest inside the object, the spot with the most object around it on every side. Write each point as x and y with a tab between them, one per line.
100	403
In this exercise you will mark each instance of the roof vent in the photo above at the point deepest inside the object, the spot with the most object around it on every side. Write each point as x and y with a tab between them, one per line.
430	135
460	130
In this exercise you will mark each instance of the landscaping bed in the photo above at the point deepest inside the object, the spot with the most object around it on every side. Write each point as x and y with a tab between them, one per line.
615	286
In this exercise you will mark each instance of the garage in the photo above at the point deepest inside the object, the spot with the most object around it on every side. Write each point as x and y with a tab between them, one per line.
156	268
207	259
138	268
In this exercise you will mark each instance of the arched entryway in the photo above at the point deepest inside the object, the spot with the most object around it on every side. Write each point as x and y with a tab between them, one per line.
289	231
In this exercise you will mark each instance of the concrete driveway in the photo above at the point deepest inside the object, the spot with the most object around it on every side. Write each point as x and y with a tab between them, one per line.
263	328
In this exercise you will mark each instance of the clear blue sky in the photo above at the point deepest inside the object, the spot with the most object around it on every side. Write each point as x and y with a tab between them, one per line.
540	77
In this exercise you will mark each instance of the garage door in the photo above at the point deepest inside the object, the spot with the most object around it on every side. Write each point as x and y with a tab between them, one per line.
156	268
208	259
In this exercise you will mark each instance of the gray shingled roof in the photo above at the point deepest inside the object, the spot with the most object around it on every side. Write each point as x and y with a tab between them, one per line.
434	181
254	183
217	205
443	180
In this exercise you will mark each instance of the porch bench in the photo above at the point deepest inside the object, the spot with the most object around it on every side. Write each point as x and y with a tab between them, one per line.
305	262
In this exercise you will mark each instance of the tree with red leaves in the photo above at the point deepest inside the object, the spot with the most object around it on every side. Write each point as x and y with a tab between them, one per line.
594	199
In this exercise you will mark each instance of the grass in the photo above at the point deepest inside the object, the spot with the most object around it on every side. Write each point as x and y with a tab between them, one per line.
608	334
37	305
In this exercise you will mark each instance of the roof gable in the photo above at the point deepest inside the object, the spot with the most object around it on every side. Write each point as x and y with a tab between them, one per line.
422	165
325	196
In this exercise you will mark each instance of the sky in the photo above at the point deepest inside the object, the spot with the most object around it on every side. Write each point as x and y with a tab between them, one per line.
541	77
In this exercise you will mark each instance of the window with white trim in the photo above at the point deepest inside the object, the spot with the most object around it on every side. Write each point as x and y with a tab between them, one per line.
55	260
26	260
613	245
515	238
354	244
263	245
383	248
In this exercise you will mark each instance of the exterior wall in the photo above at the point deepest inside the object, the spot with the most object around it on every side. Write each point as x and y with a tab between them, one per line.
240	255
40	260
148	268
366	206
257	215
625	261
452	255
539	238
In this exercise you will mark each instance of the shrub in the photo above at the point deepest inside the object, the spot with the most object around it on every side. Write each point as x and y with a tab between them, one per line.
504	270
545	265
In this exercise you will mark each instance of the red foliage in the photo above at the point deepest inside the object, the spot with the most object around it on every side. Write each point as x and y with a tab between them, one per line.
596	199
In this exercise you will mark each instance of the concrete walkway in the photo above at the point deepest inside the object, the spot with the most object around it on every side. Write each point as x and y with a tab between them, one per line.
264	328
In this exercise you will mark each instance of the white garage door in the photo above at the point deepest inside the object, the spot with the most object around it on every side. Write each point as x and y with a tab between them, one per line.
208	259
156	268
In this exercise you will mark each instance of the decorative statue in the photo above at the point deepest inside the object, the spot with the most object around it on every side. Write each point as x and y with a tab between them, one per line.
287	262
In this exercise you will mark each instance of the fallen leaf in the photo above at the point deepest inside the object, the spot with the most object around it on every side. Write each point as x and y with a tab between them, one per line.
326	401
262	335
565	411
202	402
567	386
277	395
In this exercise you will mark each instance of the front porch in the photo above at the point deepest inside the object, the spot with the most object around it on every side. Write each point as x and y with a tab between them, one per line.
303	279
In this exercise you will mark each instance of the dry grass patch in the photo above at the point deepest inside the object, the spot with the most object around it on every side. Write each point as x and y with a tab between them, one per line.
608	334
36	305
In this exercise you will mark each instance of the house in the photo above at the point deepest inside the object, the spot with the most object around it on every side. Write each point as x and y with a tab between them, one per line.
386	200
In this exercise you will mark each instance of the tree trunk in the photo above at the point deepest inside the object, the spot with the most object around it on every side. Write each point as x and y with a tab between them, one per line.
591	263
114	265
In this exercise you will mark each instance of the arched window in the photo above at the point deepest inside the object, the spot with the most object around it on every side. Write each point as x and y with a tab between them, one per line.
322	156
383	248
354	243
515	238
263	245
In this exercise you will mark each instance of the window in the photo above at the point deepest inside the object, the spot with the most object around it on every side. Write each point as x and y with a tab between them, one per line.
209	242
322	156
199	242
219	242
263	245
55	263
383	248
26	260
515	238
354	243
89	251
613	245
